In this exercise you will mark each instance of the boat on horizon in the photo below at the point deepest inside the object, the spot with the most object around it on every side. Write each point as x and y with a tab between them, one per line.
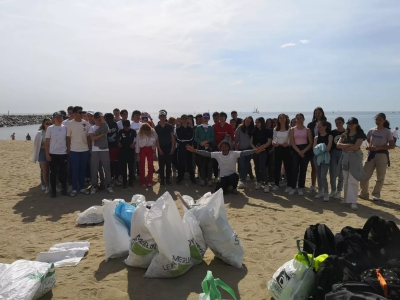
256	111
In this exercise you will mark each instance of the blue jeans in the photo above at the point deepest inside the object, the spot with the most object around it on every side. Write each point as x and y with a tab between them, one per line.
336	154
244	164
322	174
78	161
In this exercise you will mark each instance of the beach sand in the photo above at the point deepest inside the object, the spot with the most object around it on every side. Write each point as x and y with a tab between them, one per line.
268	225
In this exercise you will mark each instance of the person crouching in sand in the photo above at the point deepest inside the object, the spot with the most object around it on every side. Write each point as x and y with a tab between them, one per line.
227	164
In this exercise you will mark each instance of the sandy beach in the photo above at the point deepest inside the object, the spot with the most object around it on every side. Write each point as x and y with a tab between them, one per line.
268	225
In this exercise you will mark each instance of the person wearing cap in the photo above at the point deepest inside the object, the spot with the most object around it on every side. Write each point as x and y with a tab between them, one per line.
124	116
100	153
351	162
166	147
90	117
56	153
204	138
379	142
78	143
184	136
234	116
227	162
113	148
127	153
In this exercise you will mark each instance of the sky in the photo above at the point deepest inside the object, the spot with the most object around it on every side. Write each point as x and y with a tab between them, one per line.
199	55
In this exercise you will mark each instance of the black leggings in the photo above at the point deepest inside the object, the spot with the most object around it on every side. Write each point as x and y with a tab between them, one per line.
58	166
227	181
283	154
299	168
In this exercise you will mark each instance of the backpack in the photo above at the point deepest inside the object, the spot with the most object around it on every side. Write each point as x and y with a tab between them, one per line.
384	280
353	291
332	271
323	239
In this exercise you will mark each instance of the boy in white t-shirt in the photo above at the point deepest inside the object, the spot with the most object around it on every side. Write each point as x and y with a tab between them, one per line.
227	164
56	153
78	143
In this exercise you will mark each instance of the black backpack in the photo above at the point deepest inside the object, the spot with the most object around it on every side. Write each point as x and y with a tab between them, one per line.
353	291
323	239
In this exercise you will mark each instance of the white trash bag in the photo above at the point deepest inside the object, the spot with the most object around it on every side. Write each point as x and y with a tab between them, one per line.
26	280
210	211
197	244
137	199
166	226
142	247
294	280
93	215
115	233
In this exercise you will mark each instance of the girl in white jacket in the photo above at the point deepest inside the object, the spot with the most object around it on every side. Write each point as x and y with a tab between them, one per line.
39	153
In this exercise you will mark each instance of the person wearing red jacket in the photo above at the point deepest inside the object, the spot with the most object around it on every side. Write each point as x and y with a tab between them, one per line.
223	130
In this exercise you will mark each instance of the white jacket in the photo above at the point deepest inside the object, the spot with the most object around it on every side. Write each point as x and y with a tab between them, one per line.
37	143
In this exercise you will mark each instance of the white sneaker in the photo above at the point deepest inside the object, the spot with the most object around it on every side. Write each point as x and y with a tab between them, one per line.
292	191
58	188
118	183
69	190
275	188
332	195
319	195
110	189
82	191
43	187
288	189
258	186
354	206
300	192
266	189
242	185
202	182
326	197
47	190
376	198
338	195
344	202
92	190
312	189
210	183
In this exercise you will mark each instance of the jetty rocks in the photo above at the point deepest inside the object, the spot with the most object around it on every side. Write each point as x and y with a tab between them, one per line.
21	120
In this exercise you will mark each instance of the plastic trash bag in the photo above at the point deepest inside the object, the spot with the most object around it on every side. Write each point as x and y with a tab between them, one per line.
166	226
210	287
115	233
197	244
93	215
26	280
218	233
137	199
294	280
142	246
124	211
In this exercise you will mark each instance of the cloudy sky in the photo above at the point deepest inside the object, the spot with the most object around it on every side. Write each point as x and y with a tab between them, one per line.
199	55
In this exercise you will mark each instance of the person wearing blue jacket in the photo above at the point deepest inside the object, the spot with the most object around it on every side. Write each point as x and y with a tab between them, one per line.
322	146
204	138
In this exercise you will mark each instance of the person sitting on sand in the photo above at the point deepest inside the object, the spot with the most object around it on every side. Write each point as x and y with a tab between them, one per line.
12	136
28	137
227	164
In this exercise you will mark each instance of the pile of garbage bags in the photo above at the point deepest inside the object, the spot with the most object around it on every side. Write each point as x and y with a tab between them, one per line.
155	236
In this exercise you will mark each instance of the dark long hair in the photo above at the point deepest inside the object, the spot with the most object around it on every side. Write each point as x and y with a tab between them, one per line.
323	118
248	129
386	124
42	127
278	126
262	121
266	123
359	131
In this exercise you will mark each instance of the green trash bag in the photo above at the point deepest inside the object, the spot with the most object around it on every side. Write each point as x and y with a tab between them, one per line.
210	288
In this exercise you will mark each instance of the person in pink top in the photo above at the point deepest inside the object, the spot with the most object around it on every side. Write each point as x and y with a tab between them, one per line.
302	141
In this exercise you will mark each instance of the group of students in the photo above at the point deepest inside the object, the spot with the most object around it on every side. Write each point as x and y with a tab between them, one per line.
90	145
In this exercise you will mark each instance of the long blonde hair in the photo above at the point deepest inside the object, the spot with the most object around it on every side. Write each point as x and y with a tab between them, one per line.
146	130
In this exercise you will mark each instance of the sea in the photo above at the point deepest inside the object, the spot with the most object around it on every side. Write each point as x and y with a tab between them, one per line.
366	120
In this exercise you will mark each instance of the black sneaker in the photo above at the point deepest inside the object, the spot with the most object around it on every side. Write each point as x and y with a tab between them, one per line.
193	181
179	182
125	186
169	182
162	182
64	193
131	184
53	195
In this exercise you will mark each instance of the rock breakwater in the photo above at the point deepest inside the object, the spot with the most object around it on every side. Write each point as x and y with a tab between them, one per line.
21	120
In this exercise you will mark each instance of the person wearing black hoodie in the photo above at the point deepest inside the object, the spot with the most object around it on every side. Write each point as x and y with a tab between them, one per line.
184	136
127	153
318	115
113	147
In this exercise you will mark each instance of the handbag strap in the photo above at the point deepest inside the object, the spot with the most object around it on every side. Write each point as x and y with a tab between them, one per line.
305	254
210	287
